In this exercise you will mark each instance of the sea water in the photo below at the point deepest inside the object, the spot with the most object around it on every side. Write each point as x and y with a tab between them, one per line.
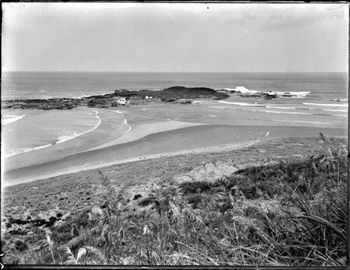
34	129
322	94
323	86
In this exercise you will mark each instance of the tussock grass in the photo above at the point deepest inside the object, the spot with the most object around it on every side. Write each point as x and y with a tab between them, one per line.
290	213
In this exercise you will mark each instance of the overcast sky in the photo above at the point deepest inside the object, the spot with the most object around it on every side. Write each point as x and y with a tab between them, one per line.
175	37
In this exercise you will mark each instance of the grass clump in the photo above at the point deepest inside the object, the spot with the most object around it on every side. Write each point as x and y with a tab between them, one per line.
289	213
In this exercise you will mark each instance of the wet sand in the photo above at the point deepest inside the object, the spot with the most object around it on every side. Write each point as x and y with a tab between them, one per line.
206	138
148	132
111	127
72	192
136	132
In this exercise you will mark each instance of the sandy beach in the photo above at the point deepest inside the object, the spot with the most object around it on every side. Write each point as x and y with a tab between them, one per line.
77	187
194	139
140	132
187	134
142	153
136	133
130	124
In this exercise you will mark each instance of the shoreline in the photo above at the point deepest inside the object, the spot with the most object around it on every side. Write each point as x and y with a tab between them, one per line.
113	129
137	132
213	149
109	126
77	190
62	202
12	119
59	139
203	138
85	132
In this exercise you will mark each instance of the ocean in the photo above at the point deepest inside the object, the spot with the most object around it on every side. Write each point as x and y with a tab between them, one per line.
317	98
25	85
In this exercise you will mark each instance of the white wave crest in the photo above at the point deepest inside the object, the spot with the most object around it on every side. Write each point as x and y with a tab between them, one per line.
241	103
300	121
282	108
65	138
125	122
227	89
326	105
60	139
286	112
246	91
243	90
11	118
25	150
300	94
334	110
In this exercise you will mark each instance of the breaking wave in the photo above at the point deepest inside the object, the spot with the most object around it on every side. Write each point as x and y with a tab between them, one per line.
11	118
247	92
334	110
60	139
65	138
241	103
282	108
285	112
326	105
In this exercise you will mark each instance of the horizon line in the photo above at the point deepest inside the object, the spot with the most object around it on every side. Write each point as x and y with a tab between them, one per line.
114	71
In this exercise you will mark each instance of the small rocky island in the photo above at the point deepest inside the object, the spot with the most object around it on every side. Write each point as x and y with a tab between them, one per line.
176	94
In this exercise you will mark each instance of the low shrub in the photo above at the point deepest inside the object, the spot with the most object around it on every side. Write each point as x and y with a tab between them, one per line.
290	213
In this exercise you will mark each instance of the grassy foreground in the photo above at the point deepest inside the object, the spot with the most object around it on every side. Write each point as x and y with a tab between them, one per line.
291	212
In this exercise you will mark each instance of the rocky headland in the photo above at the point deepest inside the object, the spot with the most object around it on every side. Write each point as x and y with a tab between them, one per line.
179	94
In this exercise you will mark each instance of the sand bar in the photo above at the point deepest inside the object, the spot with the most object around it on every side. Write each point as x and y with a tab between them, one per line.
113	129
137	132
179	141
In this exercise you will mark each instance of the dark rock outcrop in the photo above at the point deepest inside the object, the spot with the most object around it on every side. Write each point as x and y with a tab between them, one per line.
170	94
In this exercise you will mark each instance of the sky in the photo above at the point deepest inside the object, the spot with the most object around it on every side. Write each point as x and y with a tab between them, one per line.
168	37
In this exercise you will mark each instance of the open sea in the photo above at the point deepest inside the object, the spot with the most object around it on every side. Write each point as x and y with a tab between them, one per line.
25	85
322	94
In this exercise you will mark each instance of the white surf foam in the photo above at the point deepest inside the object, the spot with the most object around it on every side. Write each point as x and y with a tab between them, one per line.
285	112
326	105
243	90
300	121
25	150
60	139
335	110
125	122
241	103
294	94
90	95
246	91
282	108
227	89
11	118
65	138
